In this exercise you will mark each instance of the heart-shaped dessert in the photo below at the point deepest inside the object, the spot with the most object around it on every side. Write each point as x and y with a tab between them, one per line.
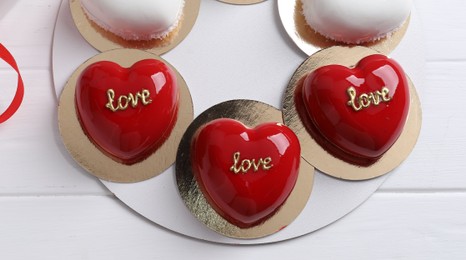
356	21
127	113
135	19
245	174
360	112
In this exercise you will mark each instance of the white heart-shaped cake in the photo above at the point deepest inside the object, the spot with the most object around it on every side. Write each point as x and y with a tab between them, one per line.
356	21
135	19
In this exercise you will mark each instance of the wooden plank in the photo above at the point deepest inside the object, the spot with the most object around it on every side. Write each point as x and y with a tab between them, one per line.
30	39
417	214
32	158
32	133
444	30
438	160
402	226
27	29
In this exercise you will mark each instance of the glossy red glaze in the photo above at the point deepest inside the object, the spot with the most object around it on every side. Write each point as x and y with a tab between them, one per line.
245	199
127	135
370	131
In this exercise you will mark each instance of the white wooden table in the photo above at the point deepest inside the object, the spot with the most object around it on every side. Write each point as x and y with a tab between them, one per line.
45	213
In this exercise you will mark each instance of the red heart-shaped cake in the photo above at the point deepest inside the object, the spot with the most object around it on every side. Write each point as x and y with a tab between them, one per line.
128	113
360	111
245	174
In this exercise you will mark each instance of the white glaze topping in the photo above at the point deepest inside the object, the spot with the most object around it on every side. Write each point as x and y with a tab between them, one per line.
356	21
135	19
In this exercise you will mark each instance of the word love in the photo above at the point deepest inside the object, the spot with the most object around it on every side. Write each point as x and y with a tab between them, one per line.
365	100
124	101
243	166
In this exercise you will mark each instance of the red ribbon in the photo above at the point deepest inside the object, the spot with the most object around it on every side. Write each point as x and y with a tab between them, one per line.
16	102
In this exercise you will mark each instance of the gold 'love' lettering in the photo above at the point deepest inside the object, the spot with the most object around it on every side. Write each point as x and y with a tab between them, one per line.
243	166
124	101
365	100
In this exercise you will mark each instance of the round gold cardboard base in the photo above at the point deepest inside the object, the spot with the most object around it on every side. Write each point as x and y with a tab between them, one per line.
104	41
241	2
309	41
318	156
250	113
85	153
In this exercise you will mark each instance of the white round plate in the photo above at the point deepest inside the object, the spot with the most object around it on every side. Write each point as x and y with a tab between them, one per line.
220	61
